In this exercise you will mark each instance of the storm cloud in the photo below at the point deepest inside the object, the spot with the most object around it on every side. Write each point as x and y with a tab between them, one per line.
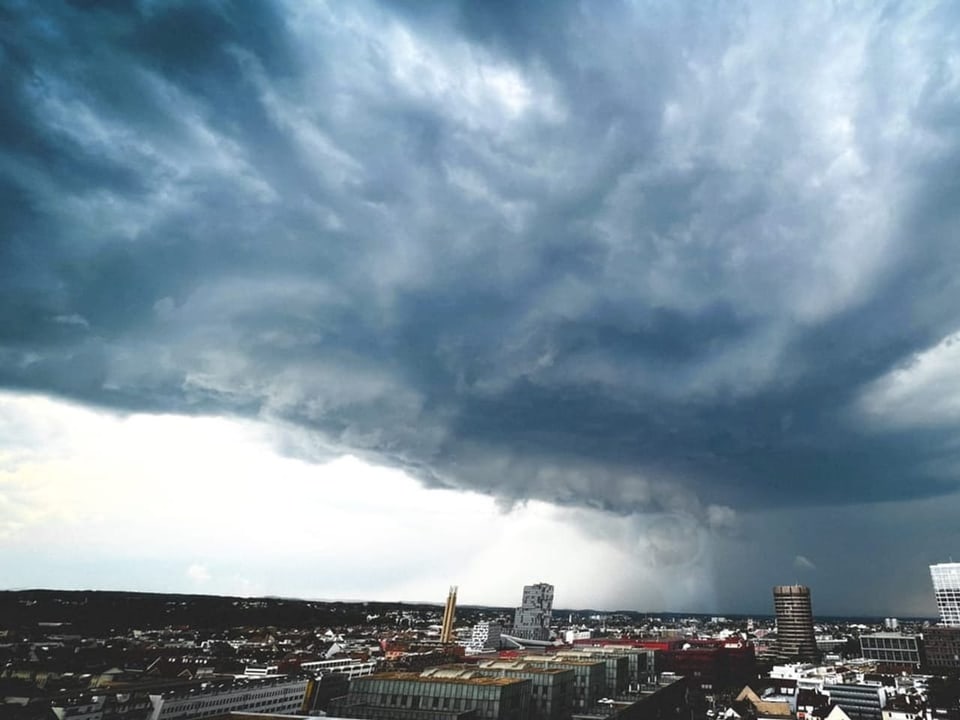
685	260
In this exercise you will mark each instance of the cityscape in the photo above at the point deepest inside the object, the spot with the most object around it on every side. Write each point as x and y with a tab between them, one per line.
185	657
479	360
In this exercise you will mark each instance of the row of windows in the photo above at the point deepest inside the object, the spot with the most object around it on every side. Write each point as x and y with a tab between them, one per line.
291	694
889	643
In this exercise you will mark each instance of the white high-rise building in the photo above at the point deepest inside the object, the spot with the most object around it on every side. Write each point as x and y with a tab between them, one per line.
532	619
485	636
946	587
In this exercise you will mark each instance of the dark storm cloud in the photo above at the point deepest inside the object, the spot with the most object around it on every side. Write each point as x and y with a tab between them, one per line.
636	257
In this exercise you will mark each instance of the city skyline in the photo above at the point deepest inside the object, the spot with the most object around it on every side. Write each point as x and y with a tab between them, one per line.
365	299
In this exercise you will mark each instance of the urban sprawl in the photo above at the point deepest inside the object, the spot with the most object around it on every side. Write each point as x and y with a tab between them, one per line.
126	656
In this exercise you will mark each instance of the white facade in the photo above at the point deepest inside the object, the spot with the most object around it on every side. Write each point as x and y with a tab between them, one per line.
571	636
351	667
485	635
282	696
946	587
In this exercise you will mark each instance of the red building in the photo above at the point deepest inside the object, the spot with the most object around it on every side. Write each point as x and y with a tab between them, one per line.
708	664
712	664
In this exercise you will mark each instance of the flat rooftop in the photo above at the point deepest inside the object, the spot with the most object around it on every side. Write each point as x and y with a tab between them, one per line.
521	666
553	659
461	679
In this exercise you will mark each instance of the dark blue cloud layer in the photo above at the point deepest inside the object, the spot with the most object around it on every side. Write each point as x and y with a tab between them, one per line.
599	254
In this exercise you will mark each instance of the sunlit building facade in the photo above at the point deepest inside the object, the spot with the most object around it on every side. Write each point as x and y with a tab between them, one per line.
946	587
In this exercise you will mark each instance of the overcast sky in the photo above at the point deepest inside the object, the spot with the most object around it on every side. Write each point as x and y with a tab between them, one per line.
658	302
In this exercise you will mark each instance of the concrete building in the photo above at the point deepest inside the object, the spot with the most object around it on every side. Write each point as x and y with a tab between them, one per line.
861	701
795	636
449	616
710	664
532	618
350	667
640	661
282	695
435	693
105	705
86	707
664	700
946	588
941	648
893	651
617	673
589	677
484	636
552	688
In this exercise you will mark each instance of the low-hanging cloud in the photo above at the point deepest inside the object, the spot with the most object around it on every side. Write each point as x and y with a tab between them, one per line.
645	259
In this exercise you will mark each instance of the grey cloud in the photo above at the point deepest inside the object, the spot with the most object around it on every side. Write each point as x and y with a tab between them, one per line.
589	253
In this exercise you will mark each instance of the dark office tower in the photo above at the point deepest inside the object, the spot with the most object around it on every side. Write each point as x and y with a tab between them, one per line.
795	638
532	619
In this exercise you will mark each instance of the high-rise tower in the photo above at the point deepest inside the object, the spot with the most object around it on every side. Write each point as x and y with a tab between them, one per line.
532	619
449	615
795	638
946	587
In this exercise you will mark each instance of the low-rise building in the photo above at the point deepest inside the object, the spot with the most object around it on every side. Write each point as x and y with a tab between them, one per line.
942	647
283	695
894	652
552	688
434	692
616	674
663	700
589	674
484	636
861	701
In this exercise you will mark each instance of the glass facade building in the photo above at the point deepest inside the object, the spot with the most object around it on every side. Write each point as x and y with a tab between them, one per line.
893	649
946	587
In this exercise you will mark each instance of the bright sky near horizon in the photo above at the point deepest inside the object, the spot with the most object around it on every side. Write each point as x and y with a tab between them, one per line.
655	302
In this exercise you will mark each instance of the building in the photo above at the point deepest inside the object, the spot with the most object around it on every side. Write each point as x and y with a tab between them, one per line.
589	677
642	669
893	651
449	616
484	636
711	665
552	688
750	705
617	674
532	619
946	588
348	666
435	693
863	701
664	700
282	695
941	648
112	705
795	636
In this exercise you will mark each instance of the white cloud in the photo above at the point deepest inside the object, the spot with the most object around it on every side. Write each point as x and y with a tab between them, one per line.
804	563
924	392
